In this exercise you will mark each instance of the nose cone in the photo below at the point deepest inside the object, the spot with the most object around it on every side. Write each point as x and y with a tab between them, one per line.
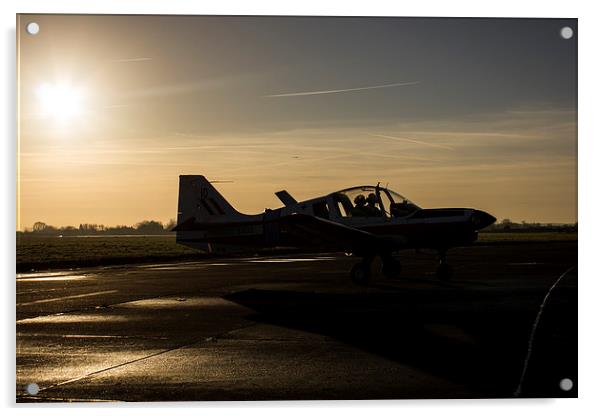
481	219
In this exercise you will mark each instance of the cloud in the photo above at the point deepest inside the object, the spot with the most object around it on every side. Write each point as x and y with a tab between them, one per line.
373	87
141	59
404	139
170	89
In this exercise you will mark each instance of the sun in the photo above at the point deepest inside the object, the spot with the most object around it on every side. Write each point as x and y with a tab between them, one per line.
60	102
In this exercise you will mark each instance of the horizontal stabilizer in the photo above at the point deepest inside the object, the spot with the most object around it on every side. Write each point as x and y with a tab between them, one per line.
286	198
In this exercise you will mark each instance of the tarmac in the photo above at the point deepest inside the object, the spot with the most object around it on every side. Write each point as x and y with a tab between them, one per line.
295	327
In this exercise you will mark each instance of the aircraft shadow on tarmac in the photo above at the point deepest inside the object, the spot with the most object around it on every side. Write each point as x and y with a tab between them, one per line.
475	339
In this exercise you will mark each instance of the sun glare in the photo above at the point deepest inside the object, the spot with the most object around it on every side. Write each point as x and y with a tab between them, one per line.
60	102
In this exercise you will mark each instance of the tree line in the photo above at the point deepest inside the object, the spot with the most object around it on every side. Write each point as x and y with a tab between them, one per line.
147	227
152	227
509	225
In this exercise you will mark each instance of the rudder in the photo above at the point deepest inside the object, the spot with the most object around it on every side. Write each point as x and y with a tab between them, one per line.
199	199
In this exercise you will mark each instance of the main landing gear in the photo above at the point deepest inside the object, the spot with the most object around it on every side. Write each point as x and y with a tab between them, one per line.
362	272
444	270
391	268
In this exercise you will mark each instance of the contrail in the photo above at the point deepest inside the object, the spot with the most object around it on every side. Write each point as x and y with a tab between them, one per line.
404	139
373	87
132	59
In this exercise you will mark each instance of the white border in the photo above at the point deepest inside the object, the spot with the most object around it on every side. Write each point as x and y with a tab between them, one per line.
467	8
590	184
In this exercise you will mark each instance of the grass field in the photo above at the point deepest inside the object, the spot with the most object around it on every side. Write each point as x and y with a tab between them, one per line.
35	253
507	237
40	253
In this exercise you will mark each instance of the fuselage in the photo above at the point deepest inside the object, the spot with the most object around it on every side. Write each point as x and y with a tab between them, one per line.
391	216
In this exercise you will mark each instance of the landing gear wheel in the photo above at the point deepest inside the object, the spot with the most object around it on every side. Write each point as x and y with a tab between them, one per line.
444	272
391	268
360	273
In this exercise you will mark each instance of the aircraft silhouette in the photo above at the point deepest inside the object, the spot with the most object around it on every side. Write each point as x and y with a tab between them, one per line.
367	221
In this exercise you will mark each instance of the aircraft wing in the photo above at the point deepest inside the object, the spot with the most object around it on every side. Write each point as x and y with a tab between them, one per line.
323	232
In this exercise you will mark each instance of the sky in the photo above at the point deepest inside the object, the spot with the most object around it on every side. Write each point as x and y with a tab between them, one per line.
475	113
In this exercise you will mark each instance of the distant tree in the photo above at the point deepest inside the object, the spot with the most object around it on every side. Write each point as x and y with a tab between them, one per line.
39	227
506	223
120	229
150	227
68	230
43	228
170	224
88	228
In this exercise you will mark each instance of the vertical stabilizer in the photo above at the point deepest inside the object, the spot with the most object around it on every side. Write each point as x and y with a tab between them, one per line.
199	200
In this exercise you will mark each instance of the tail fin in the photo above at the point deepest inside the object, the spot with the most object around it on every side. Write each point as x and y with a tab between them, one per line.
199	201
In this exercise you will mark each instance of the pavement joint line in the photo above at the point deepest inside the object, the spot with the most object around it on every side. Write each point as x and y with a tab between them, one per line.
518	390
96	306
42	335
103	370
68	400
36	302
33	291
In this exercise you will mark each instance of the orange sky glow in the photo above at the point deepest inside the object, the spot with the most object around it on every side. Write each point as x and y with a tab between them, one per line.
113	109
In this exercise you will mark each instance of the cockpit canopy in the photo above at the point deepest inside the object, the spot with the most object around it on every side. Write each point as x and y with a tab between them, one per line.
372	201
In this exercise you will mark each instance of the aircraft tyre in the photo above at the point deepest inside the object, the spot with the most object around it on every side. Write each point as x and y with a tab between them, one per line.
360	273
391	268
444	272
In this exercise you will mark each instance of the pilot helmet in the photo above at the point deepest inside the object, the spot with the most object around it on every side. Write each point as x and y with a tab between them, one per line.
359	200
372	198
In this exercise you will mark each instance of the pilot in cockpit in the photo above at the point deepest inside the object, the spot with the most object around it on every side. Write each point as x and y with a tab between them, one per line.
371	209
359	210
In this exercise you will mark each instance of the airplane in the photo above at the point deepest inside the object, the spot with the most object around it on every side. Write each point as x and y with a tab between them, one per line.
367	221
